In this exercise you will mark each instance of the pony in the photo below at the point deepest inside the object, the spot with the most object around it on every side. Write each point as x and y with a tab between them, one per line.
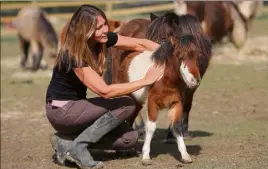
115	25
134	28
35	31
193	27
179	53
222	18
248	10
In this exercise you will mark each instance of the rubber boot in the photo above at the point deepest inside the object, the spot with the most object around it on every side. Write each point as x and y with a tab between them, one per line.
61	143
79	153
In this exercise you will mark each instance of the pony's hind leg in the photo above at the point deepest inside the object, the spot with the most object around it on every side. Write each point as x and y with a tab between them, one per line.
187	105
239	32
37	55
183	124
150	127
24	44
175	114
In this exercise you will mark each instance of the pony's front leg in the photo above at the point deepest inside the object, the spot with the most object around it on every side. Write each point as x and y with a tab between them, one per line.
150	127
175	114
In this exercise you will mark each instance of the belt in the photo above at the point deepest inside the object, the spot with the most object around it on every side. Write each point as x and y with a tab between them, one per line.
59	103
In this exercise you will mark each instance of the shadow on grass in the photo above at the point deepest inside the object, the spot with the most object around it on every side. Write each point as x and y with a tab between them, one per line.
199	133
158	147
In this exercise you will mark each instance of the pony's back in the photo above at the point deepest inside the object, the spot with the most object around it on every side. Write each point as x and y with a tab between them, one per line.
26	22
33	25
135	28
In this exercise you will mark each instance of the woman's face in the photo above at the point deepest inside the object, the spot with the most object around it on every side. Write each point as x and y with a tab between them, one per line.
100	34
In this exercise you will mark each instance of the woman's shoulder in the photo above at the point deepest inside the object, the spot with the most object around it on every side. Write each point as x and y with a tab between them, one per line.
112	39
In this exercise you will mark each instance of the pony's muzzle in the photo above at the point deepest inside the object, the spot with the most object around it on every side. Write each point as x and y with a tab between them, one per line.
198	81
194	82
191	78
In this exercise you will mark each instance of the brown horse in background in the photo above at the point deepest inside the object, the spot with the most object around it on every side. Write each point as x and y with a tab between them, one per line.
180	54
35	30
221	18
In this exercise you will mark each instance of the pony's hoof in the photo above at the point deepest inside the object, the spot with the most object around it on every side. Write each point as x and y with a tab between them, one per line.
187	159
147	162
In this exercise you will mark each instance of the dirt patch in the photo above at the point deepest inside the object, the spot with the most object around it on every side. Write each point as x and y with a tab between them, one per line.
255	50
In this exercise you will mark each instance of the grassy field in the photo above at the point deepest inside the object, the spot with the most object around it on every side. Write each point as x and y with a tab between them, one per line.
228	118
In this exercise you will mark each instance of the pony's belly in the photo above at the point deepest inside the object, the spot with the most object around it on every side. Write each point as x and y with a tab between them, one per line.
137	70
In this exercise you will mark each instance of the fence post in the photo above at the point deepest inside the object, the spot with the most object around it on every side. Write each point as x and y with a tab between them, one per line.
108	9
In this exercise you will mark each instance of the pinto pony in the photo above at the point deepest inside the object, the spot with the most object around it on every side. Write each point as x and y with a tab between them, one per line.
134	28
192	26
35	30
179	53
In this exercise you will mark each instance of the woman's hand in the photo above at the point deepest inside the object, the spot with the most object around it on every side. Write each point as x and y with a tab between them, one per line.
154	73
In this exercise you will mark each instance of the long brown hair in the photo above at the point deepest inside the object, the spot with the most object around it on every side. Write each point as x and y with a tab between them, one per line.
76	39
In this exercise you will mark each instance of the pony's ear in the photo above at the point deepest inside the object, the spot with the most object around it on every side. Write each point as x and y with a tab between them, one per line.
153	16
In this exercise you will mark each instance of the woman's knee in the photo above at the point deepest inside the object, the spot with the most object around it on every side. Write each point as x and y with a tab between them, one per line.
127	101
127	109
128	140
130	104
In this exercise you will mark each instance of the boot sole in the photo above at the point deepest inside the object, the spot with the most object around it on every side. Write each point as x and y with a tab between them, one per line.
60	160
71	159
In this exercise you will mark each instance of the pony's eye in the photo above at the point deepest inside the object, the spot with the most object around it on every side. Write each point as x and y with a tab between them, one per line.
163	41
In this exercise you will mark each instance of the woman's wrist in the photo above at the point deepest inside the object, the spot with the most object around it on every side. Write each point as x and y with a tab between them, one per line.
152	44
145	81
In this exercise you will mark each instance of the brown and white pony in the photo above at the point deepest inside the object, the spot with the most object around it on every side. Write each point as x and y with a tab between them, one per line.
222	18
192	26
179	52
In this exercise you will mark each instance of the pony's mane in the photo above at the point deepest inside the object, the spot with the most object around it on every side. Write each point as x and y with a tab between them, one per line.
184	44
163	27
164	30
185	41
203	43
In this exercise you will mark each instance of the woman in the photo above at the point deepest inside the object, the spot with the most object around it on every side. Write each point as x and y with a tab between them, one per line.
79	65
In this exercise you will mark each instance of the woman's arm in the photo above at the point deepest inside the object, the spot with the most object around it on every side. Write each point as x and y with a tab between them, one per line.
136	44
94	82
